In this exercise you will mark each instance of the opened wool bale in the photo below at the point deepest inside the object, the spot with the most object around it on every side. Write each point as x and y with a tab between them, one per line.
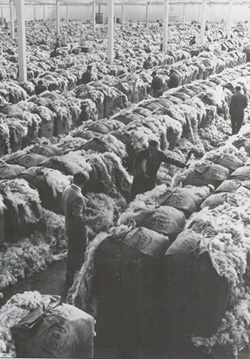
128	302
195	297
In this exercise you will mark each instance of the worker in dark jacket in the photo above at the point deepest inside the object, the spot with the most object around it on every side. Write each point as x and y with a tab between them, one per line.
156	85
147	64
146	164
236	108
74	206
87	75
174	79
40	87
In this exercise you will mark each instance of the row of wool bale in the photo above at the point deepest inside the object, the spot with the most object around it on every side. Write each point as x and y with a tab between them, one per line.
65	73
32	182
106	99
177	255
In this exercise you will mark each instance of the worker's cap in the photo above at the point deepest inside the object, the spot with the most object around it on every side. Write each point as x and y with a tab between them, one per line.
154	73
238	88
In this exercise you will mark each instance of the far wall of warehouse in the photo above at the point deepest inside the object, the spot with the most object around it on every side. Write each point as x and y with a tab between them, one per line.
136	12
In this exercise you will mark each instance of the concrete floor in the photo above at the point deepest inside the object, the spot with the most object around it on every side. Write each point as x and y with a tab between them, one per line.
52	281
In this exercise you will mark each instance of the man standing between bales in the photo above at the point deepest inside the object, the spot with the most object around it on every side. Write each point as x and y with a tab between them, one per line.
146	164
156	85
174	80
87	75
236	108
74	206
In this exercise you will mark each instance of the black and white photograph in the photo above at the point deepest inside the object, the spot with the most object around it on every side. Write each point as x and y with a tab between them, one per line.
125	179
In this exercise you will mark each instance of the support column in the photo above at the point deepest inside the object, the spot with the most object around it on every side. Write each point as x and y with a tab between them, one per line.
199	13
184	13
67	12
230	19
44	12
12	30
147	13
2	13
203	20
165	25
248	20
21	41
57	17
123	14
110	30
34	12
93	15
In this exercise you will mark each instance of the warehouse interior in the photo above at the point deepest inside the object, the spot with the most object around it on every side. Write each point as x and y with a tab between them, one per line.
166	269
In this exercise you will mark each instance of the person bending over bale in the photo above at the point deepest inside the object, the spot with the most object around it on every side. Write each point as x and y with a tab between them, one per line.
146	164
236	108
74	206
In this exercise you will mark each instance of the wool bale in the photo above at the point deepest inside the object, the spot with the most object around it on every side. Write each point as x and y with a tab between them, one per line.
241	173
165	220
195	297
229	185
185	242
180	199
147	242
8	171
61	332
96	145
229	161
28	160
219	198
207	173
47	150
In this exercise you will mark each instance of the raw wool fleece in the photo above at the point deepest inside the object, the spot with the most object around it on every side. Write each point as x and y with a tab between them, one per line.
22	198
69	144
56	180
16	308
33	253
97	162
75	161
101	204
227	238
81	294
119	175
